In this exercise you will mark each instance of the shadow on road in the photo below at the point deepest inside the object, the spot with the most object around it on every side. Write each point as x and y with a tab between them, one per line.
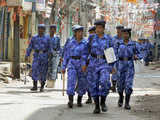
61	112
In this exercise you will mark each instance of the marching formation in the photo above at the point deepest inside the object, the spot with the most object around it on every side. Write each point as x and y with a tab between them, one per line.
86	62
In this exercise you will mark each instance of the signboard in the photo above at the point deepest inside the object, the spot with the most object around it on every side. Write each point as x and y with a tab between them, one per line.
13	2
30	0
40	5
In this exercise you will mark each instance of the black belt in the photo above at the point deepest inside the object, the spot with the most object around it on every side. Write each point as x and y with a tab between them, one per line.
41	51
76	57
126	58
98	56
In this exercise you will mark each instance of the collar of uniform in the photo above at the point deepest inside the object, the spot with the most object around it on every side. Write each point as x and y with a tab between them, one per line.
104	36
116	36
42	36
74	39
130	42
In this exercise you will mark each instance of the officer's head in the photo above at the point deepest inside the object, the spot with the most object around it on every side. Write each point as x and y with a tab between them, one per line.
126	34
119	30
53	28
140	40
92	30
100	26
146	40
41	29
78	32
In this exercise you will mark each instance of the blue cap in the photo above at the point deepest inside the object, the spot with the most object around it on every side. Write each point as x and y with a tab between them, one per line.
77	27
100	22
120	27
53	26
93	28
41	26
73	26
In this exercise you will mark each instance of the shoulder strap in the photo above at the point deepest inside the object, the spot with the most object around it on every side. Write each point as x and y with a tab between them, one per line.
90	43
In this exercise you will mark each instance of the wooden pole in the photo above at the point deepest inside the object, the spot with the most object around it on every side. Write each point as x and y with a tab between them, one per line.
16	50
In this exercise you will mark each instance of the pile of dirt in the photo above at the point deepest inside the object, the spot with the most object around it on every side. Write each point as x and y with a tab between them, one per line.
5	77
148	106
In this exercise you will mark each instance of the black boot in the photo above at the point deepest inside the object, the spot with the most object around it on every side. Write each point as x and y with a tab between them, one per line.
120	101
113	87
127	99
103	104
34	88
97	107
79	101
89	100
42	87
70	103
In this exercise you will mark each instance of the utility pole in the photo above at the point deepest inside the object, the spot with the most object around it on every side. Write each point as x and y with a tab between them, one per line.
53	12
2	34
157	33
16	50
33	16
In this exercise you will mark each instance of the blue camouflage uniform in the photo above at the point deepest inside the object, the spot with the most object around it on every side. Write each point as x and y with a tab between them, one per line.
42	49
126	66
91	32
98	68
62	52
117	41
147	46
67	41
141	47
54	60
75	56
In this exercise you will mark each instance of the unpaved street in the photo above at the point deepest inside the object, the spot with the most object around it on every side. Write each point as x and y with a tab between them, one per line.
18	103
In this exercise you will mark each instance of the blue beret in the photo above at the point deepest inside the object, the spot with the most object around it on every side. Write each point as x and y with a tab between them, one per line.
92	28
41	26
120	27
100	22
78	27
53	26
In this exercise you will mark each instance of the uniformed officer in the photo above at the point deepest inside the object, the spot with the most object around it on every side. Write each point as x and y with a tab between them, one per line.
54	59
92	30
75	58
98	69
147	46
41	46
141	46
127	53
117	40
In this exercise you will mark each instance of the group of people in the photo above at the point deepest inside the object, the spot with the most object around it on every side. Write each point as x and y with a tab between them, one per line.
87	67
46	50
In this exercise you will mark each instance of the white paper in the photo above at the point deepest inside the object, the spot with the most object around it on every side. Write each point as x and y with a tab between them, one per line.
110	55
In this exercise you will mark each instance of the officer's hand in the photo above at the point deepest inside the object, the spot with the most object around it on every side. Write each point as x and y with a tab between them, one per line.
61	60
84	68
26	59
50	56
113	71
135	57
63	71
